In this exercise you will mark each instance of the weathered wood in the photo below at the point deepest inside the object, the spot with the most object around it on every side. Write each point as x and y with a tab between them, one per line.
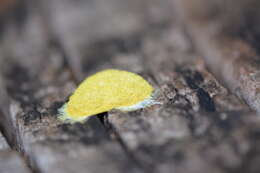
3	143
35	83
50	145
220	36
107	24
11	162
200	127
197	110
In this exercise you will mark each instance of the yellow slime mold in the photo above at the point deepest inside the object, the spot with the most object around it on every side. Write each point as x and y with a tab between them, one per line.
107	90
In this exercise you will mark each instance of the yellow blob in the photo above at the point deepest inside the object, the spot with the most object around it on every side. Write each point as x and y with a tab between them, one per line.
107	90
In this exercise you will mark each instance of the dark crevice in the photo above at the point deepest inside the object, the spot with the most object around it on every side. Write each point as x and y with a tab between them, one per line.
112	131
194	79
205	101
88	133
3	130
104	120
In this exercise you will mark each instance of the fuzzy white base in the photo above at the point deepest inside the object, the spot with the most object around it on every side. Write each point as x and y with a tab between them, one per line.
63	115
140	105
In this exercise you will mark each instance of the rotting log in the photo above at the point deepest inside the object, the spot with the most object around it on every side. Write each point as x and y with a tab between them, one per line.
35	82
226	36
201	126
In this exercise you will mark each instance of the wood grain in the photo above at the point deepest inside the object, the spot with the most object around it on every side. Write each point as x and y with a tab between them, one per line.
10	161
227	43
36	82
200	125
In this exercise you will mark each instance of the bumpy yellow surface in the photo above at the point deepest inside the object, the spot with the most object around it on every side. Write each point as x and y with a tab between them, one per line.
106	90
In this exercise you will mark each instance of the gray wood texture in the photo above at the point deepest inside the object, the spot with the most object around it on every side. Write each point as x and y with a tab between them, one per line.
196	108
200	125
11	162
3	143
228	42
36	82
